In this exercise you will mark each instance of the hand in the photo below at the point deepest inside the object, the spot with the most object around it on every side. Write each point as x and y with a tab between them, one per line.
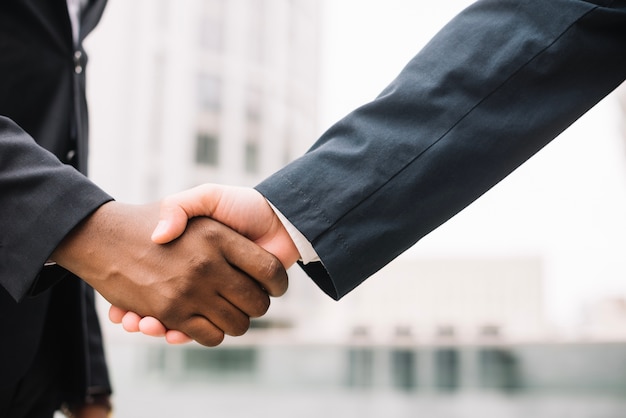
91	411
98	406
207	283
243	209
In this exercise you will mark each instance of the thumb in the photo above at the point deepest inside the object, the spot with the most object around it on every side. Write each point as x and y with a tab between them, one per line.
172	223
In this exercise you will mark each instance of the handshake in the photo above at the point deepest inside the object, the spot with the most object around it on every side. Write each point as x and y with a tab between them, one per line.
197	266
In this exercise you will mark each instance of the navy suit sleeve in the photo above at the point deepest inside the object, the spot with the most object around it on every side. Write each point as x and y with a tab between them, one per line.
41	200
494	86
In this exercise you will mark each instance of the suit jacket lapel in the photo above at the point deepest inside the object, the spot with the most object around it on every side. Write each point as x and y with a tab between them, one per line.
90	17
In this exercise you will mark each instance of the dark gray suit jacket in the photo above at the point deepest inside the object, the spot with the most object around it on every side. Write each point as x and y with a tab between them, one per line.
43	125
493	87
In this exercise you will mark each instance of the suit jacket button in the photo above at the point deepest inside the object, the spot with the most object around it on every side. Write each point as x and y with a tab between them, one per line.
78	65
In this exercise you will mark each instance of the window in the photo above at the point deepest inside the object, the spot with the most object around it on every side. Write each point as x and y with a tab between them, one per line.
403	364
225	361
254	122
447	369
252	157
360	367
207	149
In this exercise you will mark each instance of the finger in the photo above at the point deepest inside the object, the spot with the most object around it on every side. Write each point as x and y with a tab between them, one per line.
178	208
176	337
172	223
228	296
116	314
130	322
203	331
226	316
259	264
152	327
246	294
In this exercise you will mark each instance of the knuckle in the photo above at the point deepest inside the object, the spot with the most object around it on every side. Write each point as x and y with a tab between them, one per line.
201	266
211	230
169	315
212	340
241	327
202	331
231	320
274	277
167	203
261	307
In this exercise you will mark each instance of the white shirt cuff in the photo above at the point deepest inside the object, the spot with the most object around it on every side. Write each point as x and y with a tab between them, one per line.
305	248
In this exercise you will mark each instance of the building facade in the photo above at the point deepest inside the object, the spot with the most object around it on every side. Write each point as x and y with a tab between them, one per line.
195	91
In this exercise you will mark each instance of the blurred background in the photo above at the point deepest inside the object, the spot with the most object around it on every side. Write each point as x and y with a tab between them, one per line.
515	307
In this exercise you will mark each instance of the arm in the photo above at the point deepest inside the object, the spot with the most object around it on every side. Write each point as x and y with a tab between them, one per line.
41	200
493	87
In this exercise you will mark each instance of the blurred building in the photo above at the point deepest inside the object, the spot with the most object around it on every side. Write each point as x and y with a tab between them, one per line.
448	299
606	320
194	91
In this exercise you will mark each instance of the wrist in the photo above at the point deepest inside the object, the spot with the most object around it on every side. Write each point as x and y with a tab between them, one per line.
294	245
103	242
79	242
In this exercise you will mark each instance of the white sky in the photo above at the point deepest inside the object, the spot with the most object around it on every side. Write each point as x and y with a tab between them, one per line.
567	204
